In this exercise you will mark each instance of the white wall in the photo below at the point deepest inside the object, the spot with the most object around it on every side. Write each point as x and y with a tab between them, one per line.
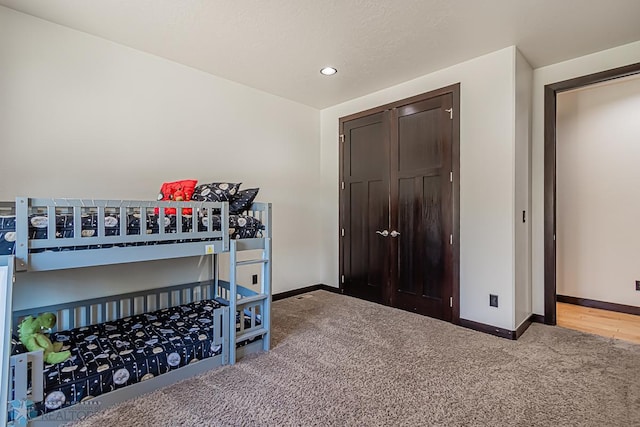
522	179
598	152
600	61
83	117
486	186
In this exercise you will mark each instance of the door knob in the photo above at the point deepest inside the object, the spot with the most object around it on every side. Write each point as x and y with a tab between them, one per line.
394	233
383	233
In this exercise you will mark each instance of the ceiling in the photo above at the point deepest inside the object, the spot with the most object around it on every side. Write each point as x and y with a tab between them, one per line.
279	46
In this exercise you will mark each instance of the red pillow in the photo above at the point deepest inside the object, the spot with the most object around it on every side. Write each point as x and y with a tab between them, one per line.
180	191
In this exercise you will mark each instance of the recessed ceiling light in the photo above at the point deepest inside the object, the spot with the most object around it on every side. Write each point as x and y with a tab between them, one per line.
328	71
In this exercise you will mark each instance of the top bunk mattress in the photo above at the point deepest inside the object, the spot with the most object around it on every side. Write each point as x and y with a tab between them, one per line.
44	234
240	227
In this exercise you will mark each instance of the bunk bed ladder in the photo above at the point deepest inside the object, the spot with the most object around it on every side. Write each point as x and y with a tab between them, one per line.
239	303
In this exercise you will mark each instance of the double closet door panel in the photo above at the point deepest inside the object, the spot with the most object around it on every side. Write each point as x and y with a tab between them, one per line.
396	167
422	207
366	207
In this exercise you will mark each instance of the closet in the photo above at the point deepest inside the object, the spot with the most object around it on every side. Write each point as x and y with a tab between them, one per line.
399	216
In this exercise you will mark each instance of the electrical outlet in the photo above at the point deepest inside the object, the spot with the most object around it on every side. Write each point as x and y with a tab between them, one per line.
637	285
493	300
254	279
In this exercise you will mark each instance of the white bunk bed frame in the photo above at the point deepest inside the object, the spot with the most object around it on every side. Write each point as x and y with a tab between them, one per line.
254	306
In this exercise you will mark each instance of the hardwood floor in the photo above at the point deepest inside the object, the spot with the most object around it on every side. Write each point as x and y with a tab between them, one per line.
599	322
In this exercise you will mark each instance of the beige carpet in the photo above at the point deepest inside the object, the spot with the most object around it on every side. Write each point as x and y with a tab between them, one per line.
341	361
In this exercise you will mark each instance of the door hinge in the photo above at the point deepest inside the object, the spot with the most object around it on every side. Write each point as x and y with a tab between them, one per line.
450	111
342	279
451	176
451	239
450	301
342	185
341	137
342	232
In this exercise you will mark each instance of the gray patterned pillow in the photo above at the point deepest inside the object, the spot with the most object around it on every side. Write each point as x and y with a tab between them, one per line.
215	192
242	200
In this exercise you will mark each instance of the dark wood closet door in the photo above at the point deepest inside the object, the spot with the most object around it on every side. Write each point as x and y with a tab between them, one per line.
399	198
422	207
365	206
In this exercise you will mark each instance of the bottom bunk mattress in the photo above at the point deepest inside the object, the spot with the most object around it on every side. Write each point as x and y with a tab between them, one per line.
115	354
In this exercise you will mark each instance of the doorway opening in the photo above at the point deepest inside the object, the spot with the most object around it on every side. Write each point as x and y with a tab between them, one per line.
556	312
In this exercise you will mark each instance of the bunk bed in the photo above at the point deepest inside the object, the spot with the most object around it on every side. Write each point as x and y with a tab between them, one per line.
128	344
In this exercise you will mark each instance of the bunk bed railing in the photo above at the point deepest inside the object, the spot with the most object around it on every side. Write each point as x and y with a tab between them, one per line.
26	369
262	212
147	241
99	310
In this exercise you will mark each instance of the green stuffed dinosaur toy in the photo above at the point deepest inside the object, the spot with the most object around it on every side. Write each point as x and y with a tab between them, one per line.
30	333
